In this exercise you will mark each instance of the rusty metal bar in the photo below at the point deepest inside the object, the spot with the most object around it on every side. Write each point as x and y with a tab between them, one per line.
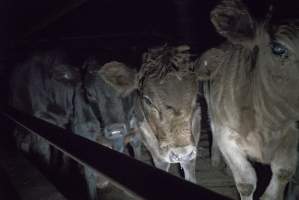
139	179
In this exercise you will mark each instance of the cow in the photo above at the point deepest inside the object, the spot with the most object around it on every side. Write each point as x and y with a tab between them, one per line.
86	124
49	87
43	86
102	117
251	94
114	111
165	88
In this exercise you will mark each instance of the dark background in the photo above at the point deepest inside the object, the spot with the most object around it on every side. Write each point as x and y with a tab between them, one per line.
117	23
124	28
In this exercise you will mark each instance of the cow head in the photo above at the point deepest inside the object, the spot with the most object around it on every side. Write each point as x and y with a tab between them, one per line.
271	51
167	91
111	108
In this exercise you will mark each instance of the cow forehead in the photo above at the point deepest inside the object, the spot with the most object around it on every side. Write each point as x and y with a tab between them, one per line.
172	90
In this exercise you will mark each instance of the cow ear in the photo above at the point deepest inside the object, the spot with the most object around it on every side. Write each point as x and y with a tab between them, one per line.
119	77
233	21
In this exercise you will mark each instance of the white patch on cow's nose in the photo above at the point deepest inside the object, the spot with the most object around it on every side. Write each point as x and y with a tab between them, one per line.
205	63
180	154
66	76
115	130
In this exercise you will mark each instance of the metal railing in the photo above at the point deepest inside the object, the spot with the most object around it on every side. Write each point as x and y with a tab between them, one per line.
139	179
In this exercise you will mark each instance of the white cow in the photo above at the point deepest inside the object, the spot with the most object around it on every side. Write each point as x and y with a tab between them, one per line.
252	99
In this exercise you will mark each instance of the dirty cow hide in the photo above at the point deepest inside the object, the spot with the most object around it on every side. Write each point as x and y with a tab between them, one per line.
169	117
251	95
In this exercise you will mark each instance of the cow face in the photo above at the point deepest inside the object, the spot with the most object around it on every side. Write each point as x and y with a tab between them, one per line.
167	99
85	123
281	63
109	106
168	106
269	51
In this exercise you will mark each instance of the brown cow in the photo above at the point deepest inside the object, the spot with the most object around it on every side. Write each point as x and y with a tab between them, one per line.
251	96
166	99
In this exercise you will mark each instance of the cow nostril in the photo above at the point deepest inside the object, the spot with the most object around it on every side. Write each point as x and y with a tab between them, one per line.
192	154
174	156
178	157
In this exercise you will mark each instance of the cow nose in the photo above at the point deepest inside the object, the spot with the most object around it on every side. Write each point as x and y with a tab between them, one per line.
174	157
181	154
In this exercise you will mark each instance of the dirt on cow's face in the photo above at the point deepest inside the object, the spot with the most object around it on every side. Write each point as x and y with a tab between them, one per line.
168	106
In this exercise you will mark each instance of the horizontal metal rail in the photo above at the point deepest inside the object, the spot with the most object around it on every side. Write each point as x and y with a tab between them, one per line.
139	179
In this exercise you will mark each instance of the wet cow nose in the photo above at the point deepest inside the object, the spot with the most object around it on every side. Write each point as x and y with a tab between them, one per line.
173	156
182	154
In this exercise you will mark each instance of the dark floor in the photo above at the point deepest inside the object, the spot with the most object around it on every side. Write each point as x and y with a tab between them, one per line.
6	189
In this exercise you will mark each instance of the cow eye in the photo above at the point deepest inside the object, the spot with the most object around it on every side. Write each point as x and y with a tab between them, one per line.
171	108
147	100
153	108
279	49
67	76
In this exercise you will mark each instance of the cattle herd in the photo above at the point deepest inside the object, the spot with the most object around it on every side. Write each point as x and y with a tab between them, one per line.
249	85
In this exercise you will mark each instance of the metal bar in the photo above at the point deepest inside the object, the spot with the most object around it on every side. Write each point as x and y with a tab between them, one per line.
27	182
139	179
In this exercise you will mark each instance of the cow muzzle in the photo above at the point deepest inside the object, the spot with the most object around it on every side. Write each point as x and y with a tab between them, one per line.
182	154
116	133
